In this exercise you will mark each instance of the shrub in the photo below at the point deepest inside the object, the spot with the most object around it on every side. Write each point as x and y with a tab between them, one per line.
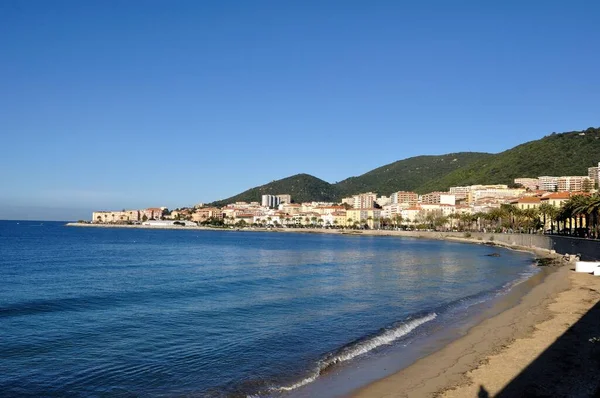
467	234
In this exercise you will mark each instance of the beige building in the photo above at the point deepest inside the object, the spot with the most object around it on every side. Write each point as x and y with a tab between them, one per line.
151	213
496	193
528	183
370	217
285	198
574	183
555	199
290	208
438	198
116	216
205	213
527	202
409	198
364	200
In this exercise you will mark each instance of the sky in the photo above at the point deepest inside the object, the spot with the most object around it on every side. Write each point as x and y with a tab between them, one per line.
130	104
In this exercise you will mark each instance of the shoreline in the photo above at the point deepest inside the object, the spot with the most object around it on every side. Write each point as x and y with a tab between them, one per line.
457	237
497	357
495	350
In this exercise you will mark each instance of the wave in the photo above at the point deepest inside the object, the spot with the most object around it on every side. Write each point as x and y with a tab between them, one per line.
523	276
389	335
360	347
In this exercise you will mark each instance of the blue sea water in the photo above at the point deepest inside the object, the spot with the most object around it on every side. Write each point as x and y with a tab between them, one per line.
129	312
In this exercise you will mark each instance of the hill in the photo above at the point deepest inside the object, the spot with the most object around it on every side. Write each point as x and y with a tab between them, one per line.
408	174
302	187
554	155
557	154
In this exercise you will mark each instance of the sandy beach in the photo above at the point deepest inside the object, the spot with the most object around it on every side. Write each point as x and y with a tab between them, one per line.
547	345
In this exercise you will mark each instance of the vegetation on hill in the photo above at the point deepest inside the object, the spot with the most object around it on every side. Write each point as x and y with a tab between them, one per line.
408	174
302	188
557	154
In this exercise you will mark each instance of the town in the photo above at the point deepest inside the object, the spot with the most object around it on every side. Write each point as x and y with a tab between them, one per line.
551	204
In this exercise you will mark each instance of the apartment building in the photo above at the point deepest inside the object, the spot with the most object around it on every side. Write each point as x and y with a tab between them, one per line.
478	194
574	183
364	200
270	201
409	198
593	173
438	198
285	198
205	213
548	183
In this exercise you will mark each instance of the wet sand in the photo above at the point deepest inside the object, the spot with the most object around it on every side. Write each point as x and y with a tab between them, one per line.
544	346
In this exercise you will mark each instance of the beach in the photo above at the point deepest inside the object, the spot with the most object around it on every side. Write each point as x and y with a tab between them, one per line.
546	345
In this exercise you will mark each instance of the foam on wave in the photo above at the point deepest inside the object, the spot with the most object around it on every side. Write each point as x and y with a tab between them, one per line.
361	347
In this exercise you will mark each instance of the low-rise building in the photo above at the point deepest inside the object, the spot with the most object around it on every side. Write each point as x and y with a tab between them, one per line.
531	184
108	217
205	213
527	202
369	216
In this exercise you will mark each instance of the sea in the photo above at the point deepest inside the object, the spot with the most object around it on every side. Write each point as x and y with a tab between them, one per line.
162	313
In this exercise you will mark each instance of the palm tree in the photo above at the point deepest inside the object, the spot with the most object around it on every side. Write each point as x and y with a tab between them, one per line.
594	210
546	210
581	204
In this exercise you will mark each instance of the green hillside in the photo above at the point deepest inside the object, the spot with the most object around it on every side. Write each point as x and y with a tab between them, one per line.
302	187
555	155
408	174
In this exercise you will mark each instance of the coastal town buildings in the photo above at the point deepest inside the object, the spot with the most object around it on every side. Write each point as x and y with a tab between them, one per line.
367	210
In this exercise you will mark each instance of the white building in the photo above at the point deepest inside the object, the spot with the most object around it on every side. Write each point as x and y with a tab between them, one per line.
548	183
270	201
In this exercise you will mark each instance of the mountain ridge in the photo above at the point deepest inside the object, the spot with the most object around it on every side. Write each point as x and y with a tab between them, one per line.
569	153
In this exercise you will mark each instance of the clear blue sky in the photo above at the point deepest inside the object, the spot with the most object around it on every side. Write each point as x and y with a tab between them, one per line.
129	104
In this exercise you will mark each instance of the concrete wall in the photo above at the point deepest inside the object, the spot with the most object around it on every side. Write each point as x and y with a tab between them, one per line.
588	250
